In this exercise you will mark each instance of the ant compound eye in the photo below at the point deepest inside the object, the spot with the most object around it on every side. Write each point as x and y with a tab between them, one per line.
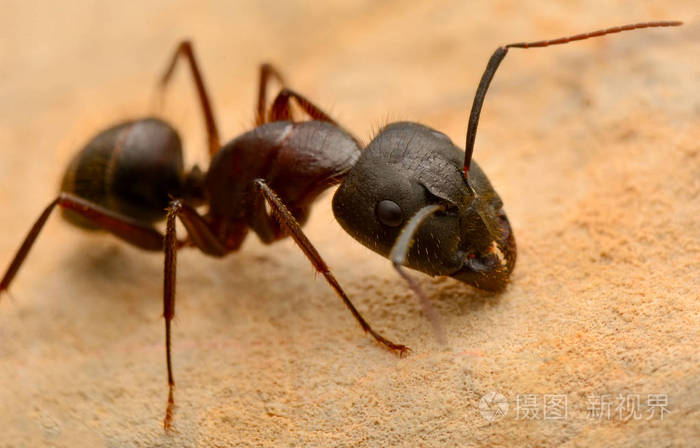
389	213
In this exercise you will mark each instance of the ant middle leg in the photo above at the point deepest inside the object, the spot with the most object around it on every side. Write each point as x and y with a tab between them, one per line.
285	217
280	110
281	107
201	235
267	71
185	50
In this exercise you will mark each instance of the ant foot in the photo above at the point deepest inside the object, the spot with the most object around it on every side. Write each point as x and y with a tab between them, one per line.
401	350
169	410
398	349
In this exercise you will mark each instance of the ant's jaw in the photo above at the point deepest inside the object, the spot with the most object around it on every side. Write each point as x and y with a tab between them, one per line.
485	262
484	271
490	269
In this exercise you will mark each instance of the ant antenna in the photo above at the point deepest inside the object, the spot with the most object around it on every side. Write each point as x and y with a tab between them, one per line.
501	52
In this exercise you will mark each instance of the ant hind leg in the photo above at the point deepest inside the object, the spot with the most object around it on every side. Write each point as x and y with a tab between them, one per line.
130	230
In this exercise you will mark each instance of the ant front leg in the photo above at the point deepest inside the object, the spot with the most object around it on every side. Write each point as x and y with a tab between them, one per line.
286	218
124	227
185	50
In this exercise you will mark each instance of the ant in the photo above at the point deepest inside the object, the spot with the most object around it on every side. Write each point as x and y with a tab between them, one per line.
411	195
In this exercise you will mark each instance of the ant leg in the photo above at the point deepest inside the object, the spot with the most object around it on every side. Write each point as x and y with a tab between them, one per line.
268	228
201	235
281	111
287	219
267	71
185	50
398	255
199	230
169	267
124	227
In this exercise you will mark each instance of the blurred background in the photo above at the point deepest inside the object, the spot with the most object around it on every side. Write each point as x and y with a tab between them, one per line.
592	146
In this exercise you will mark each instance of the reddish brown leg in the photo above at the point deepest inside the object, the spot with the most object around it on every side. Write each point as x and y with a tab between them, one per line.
128	229
281	110
267	71
295	231
185	50
201	236
169	306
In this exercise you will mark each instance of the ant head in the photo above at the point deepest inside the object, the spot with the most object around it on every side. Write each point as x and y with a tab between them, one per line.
406	168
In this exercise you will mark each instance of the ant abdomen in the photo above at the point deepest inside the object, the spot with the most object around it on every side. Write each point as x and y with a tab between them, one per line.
132	168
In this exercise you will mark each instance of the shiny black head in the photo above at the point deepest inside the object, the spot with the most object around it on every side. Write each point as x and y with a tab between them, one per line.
407	167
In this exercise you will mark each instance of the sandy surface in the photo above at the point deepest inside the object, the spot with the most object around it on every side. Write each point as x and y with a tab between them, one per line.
592	146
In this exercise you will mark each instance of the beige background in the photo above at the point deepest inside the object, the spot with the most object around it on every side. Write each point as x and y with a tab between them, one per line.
593	147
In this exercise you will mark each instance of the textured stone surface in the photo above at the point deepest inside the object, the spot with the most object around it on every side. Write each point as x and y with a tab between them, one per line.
592	146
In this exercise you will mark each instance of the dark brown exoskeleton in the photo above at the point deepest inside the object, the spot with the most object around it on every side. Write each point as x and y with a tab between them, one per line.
411	195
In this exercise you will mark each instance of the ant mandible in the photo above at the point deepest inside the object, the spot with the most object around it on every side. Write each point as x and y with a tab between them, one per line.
411	195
